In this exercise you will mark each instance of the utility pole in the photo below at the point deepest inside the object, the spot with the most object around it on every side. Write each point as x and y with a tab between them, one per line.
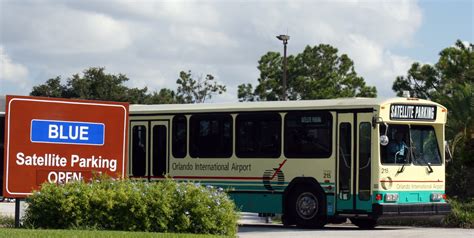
285	39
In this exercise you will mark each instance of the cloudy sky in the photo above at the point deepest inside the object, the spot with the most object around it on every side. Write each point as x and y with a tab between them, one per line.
151	41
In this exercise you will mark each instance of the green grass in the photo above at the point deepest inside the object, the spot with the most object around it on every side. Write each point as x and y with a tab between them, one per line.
10	232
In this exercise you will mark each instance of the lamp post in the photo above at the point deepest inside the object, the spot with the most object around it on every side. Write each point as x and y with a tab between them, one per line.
285	39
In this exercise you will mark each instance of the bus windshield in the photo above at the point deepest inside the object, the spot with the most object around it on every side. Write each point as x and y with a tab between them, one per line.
410	144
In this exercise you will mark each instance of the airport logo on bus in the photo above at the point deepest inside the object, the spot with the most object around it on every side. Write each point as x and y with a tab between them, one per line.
67	132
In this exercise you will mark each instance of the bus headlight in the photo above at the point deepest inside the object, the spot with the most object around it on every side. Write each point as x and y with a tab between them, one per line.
391	197
436	197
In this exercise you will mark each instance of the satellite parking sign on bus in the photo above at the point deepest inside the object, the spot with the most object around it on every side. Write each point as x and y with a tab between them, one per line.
61	140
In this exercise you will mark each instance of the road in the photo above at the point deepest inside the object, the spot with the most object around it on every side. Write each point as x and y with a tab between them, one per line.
7	208
250	225
349	231
254	226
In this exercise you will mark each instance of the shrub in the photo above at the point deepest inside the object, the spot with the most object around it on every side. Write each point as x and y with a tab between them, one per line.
165	206
7	221
462	214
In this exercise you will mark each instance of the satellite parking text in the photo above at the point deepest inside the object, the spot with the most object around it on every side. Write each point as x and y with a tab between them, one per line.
73	162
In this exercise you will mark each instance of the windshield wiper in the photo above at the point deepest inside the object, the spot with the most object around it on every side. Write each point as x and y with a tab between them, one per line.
404	161
430	170
401	169
416	158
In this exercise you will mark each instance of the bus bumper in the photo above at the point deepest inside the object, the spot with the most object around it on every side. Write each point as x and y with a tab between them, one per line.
427	209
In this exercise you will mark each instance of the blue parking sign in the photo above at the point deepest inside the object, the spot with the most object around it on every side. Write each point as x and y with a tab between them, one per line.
67	132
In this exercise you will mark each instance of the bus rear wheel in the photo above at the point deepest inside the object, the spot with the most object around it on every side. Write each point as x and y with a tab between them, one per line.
307	208
364	223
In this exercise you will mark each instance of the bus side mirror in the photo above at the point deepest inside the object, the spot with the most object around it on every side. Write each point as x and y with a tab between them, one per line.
383	138
447	152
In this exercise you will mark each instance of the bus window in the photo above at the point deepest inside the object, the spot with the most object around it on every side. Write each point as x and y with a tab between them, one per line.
180	130
139	151
365	142
210	136
308	134
396	152
425	146
414	144
159	150
258	135
404	144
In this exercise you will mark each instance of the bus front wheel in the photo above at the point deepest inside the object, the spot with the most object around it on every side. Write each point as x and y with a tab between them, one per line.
307	208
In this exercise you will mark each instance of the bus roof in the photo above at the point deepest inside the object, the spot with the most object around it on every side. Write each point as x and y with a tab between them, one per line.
341	103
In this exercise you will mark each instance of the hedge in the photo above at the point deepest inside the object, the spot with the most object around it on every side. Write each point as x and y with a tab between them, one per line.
108	204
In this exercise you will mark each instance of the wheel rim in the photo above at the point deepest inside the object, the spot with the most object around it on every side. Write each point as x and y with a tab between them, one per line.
307	205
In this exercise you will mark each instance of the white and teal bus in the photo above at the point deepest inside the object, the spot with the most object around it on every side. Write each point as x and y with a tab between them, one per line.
315	162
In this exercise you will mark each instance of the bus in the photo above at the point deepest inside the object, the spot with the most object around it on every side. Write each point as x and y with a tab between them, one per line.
315	162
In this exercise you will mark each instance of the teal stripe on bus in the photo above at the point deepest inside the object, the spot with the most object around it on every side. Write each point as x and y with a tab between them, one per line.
244	182
416	196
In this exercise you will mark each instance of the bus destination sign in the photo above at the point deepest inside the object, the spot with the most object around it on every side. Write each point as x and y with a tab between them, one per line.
412	112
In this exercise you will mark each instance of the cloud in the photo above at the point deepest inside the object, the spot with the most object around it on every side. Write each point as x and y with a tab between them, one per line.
13	75
56	29
367	53
151	41
11	71
378	65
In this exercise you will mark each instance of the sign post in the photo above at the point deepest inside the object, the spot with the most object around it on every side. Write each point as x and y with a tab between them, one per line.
17	212
61	140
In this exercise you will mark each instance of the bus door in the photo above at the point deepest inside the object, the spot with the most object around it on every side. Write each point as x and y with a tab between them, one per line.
354	162
345	162
138	159
159	148
363	157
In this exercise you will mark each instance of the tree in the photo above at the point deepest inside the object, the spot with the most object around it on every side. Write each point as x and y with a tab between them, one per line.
138	96
316	73
165	96
455	66
245	93
52	88
449	82
191	90
96	84
460	104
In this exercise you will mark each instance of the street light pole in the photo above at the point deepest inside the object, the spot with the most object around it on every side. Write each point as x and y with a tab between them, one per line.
285	39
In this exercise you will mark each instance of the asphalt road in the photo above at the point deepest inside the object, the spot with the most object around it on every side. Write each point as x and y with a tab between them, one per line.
350	231
7	208
253	226
250	225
